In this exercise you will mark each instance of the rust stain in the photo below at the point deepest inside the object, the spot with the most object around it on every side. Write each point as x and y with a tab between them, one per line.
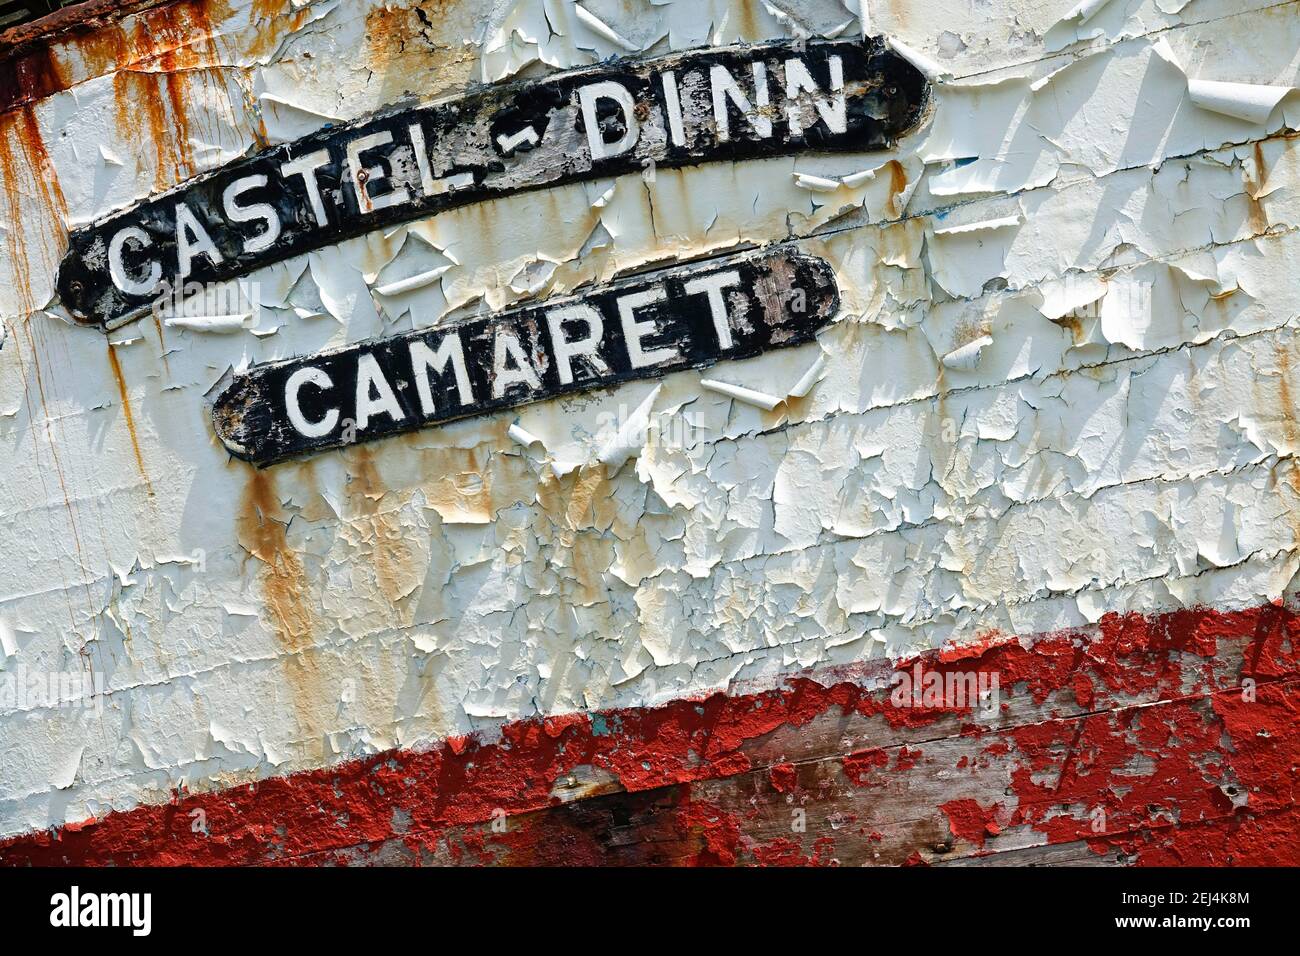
390	554
30	76
402	50
26	173
897	184
388	30
1254	186
391	34
164	132
101	51
28	179
182	31
162	344
165	50
748	27
268	9
48	65
1072	324
128	415
268	35
1290	431
261	530
1286	402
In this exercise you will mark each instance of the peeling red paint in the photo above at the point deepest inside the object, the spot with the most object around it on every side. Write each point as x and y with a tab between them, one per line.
1209	776
971	821
783	777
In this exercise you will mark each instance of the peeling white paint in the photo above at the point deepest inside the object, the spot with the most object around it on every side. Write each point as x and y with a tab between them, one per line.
1062	383
1250	102
740	393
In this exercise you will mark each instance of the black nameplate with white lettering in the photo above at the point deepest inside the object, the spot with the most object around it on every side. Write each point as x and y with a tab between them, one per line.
724	104
643	327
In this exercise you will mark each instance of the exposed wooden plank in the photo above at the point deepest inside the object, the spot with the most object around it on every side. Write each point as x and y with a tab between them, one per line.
1072	789
1167	738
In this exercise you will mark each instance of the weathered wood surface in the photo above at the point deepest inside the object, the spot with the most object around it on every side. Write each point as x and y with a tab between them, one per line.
1168	741
947	801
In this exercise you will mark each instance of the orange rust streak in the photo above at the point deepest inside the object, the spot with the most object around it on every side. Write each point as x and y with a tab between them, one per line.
181	135
150	103
162	345
138	93
23	160
389	553
129	417
1254	186
46	180
897	183
28	77
262	532
268	9
13	202
40	66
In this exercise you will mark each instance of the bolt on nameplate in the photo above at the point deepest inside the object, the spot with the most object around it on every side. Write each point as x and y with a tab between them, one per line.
685	317
720	104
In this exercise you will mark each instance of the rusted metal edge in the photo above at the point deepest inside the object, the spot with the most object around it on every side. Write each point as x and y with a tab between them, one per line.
76	18
718	104
644	327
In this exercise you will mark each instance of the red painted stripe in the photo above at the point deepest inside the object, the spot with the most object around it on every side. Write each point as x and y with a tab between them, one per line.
1207	777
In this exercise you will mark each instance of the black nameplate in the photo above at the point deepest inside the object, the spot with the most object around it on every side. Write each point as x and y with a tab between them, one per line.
643	327
724	104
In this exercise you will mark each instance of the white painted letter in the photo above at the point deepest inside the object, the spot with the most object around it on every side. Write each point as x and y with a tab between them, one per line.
565	350
187	225
365	201
117	268
374	394
424	358
725	87
416	132
305	428
714	285
634	331
608	89
673	104
306	166
502	377
799	80
261	210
